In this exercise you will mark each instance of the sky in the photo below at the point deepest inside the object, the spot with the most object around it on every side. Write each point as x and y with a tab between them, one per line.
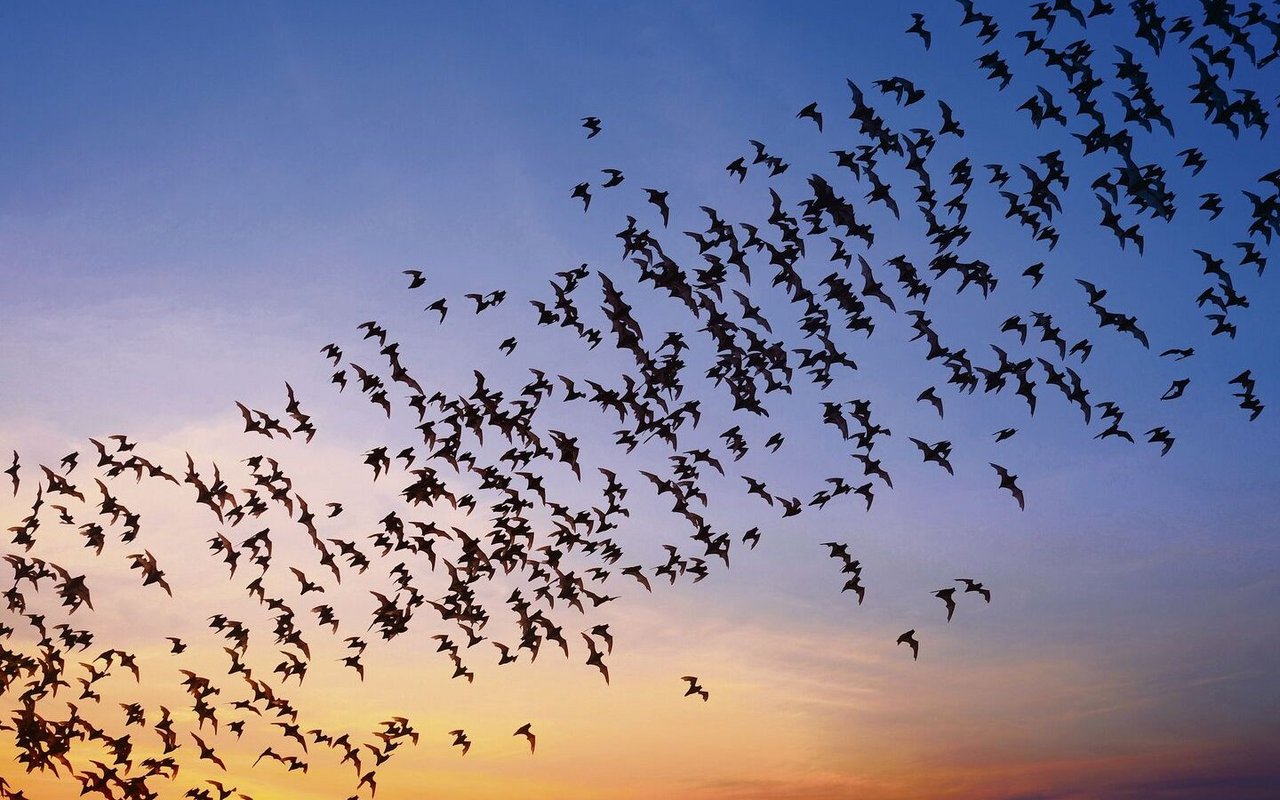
196	198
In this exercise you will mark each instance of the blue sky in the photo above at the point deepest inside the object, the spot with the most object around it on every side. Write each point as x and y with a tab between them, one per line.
197	197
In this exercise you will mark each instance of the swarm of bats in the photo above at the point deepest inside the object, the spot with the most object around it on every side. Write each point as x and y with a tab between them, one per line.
483	453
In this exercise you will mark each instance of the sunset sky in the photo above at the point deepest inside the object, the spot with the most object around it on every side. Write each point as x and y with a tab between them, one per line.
197	197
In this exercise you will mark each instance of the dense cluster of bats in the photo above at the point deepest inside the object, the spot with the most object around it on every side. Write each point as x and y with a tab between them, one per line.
483	454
